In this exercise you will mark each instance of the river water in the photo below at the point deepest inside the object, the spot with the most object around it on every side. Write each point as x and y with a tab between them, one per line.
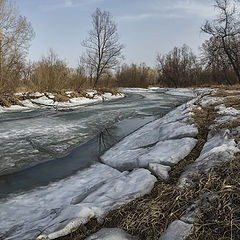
40	146
43	146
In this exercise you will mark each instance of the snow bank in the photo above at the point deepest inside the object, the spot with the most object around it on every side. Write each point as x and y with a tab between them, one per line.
208	100
47	100
219	147
229	111
59	208
187	92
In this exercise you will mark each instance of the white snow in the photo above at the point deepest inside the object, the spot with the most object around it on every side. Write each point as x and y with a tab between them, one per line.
159	170
36	94
219	147
111	234
57	209
177	230
229	111
13	108
43	101
187	92
208	100
168	152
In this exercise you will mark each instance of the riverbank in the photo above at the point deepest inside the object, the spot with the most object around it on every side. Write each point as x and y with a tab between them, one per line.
66	100
196	195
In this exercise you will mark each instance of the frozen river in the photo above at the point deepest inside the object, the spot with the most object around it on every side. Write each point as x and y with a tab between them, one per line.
41	147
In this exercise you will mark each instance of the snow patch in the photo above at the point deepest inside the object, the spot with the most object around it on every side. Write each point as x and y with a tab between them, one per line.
177	230
111	234
159	170
219	147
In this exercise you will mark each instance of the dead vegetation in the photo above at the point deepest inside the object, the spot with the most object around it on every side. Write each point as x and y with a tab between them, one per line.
225	92
230	125
233	102
113	91
220	219
61	98
6	100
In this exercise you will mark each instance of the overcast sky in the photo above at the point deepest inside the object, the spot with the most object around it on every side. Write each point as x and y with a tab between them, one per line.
146	27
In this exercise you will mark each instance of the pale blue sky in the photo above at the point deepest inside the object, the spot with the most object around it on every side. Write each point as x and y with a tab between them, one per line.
146	27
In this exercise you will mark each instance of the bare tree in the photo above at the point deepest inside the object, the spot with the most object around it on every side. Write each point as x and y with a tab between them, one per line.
216	62
226	30
178	68
103	49
51	73
15	35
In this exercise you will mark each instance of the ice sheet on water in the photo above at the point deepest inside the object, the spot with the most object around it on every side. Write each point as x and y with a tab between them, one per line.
177	130
48	209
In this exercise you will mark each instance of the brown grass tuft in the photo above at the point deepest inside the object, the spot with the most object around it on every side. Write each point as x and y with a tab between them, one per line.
61	98
113	91
232	102
8	100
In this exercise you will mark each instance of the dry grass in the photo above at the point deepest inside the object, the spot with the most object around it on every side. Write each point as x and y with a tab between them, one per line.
230	125
61	98
77	94
224	93
232	102
8	100
113	91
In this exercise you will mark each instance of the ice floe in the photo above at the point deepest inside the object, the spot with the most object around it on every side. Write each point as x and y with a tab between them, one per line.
181	92
57	209
167	141
168	152
159	170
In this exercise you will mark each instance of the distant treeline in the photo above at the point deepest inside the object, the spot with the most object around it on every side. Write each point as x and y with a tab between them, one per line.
99	66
